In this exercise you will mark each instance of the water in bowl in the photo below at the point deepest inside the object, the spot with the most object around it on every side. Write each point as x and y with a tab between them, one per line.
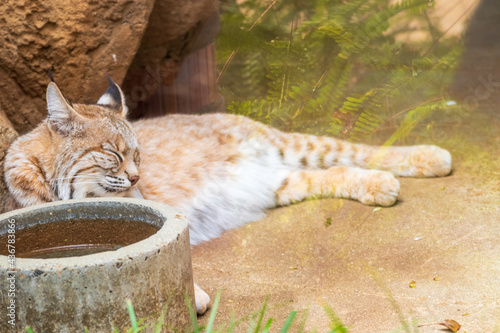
76	238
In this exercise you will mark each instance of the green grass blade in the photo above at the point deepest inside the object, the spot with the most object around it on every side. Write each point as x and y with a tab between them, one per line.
288	322
133	319
160	321
232	324
303	320
194	321
336	324
250	328
404	323
268	326
28	329
261	317
213	313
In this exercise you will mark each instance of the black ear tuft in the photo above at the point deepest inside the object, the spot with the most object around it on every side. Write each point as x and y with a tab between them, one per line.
113	98
114	91
52	80
50	75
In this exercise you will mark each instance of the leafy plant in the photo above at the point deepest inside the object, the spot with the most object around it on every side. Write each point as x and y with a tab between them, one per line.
316	64
256	320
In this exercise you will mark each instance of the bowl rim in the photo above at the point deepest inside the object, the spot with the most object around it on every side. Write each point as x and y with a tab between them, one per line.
174	224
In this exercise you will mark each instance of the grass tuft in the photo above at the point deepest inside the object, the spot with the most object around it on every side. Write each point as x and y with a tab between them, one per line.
256	321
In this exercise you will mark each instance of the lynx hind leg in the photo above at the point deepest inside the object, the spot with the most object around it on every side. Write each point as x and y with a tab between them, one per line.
202	300
370	187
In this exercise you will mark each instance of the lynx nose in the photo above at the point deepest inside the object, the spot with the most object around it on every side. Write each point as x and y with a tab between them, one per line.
134	179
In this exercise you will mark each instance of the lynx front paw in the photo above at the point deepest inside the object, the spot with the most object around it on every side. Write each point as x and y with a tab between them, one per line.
378	188
201	299
430	161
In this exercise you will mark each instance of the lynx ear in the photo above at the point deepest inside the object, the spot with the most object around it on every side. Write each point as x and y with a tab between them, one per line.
114	98
62	117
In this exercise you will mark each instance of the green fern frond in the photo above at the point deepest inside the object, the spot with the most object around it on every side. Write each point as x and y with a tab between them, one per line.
300	64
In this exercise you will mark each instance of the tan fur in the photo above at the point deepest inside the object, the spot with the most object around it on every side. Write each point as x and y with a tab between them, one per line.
167	145
180	154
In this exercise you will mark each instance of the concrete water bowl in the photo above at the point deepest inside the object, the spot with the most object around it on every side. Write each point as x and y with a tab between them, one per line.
71	293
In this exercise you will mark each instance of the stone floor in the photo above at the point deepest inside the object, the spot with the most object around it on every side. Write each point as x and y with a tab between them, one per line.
442	237
443	234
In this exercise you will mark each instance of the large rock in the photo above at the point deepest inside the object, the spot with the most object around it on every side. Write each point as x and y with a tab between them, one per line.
80	40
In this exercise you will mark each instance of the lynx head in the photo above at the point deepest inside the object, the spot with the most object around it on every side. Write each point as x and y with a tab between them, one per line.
96	151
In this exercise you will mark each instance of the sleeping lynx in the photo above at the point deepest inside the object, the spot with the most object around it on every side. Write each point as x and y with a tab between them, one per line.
221	170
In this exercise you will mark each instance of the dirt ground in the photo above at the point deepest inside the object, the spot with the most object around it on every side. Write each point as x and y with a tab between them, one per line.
435	255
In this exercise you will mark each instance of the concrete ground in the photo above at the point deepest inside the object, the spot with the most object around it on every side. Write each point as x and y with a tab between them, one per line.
435	255
443	234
